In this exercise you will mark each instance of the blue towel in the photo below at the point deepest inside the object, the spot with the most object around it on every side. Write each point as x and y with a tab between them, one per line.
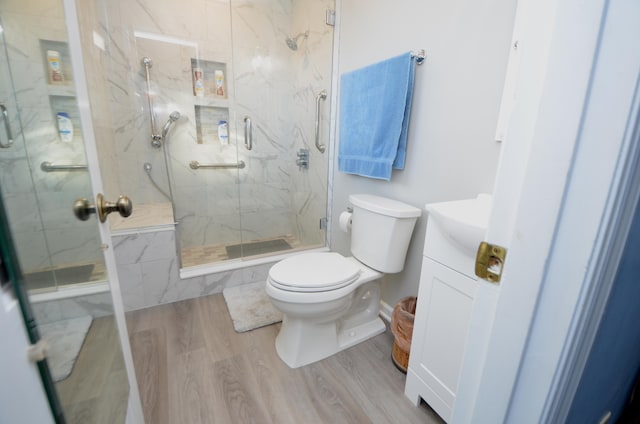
375	104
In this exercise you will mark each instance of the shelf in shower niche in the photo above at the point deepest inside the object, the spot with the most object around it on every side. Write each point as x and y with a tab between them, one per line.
211	102
56	60
207	123
209	78
61	90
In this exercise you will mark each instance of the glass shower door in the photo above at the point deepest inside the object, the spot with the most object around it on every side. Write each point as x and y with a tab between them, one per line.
283	62
42	172
36	176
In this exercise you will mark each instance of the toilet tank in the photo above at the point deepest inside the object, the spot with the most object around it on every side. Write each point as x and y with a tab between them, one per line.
380	231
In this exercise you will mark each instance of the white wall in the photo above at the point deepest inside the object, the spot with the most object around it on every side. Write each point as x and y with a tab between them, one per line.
451	152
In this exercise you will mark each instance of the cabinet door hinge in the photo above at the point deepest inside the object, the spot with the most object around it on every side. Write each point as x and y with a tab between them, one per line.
490	262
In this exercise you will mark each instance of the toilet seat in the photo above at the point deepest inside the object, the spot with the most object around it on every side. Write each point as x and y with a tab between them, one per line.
313	273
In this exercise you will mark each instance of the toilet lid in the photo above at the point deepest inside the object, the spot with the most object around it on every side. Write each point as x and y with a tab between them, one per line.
314	272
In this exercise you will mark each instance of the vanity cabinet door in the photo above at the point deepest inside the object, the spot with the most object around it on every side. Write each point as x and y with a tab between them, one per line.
442	320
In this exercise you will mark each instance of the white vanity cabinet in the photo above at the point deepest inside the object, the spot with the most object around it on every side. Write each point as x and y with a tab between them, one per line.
443	312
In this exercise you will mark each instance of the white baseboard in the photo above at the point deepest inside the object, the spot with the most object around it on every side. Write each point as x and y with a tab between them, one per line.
385	311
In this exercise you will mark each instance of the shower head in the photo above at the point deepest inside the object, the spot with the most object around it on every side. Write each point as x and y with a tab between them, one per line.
292	42
175	115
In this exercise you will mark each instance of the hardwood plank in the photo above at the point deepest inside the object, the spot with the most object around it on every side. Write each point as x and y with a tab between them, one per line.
236	392
191	388
331	399
150	362
97	388
220	338
93	364
375	355
278	385
183	328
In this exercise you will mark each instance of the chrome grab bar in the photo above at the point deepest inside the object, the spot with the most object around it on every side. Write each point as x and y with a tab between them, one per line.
321	96
50	167
156	139
194	164
248	133
7	128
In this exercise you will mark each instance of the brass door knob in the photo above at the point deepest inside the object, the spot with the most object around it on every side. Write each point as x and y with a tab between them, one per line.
82	209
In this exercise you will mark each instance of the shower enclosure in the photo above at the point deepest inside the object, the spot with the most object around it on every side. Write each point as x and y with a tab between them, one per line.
40	174
239	169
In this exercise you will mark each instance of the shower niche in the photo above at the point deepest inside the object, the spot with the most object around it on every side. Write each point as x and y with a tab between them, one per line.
209	78
212	125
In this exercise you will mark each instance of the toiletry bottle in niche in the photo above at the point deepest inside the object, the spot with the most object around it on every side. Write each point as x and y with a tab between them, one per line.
223	132
65	127
198	82
219	76
55	68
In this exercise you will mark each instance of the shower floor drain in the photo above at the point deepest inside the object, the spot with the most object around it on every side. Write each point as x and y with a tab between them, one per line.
256	248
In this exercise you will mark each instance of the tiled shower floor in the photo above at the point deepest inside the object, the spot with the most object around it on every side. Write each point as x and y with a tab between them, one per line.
200	255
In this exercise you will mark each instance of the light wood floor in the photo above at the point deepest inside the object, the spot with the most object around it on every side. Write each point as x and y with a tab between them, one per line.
97	390
193	368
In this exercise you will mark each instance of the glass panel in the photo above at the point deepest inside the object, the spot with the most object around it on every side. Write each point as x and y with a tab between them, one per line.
53	248
56	251
282	56
230	62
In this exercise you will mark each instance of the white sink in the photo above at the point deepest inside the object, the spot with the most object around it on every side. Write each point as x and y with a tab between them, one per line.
463	221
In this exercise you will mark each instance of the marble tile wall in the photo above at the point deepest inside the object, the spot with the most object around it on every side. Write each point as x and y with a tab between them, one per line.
149	275
39	204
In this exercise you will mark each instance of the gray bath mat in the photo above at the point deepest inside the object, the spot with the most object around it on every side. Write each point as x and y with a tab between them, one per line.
250	307
65	339
256	248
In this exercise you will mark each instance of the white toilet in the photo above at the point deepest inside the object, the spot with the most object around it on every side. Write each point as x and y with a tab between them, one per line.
331	302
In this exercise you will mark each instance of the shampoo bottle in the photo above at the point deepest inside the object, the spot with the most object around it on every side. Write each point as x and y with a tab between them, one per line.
219	76
198	82
65	127
55	69
223	132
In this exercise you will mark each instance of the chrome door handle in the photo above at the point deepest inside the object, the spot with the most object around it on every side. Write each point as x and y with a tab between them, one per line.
82	209
248	133
322	95
7	128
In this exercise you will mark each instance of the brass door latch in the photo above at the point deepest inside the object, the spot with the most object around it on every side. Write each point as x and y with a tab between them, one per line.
490	261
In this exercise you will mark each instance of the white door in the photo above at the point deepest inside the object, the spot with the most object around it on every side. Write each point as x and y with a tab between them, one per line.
562	164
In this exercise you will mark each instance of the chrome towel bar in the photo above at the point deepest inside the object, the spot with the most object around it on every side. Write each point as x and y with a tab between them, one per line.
50	167
194	164
419	56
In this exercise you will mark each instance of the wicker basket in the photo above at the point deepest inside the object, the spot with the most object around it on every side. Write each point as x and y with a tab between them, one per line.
400	357
402	329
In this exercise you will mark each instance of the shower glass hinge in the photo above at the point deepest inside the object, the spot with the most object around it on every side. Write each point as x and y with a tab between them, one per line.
38	351
331	17
323	223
